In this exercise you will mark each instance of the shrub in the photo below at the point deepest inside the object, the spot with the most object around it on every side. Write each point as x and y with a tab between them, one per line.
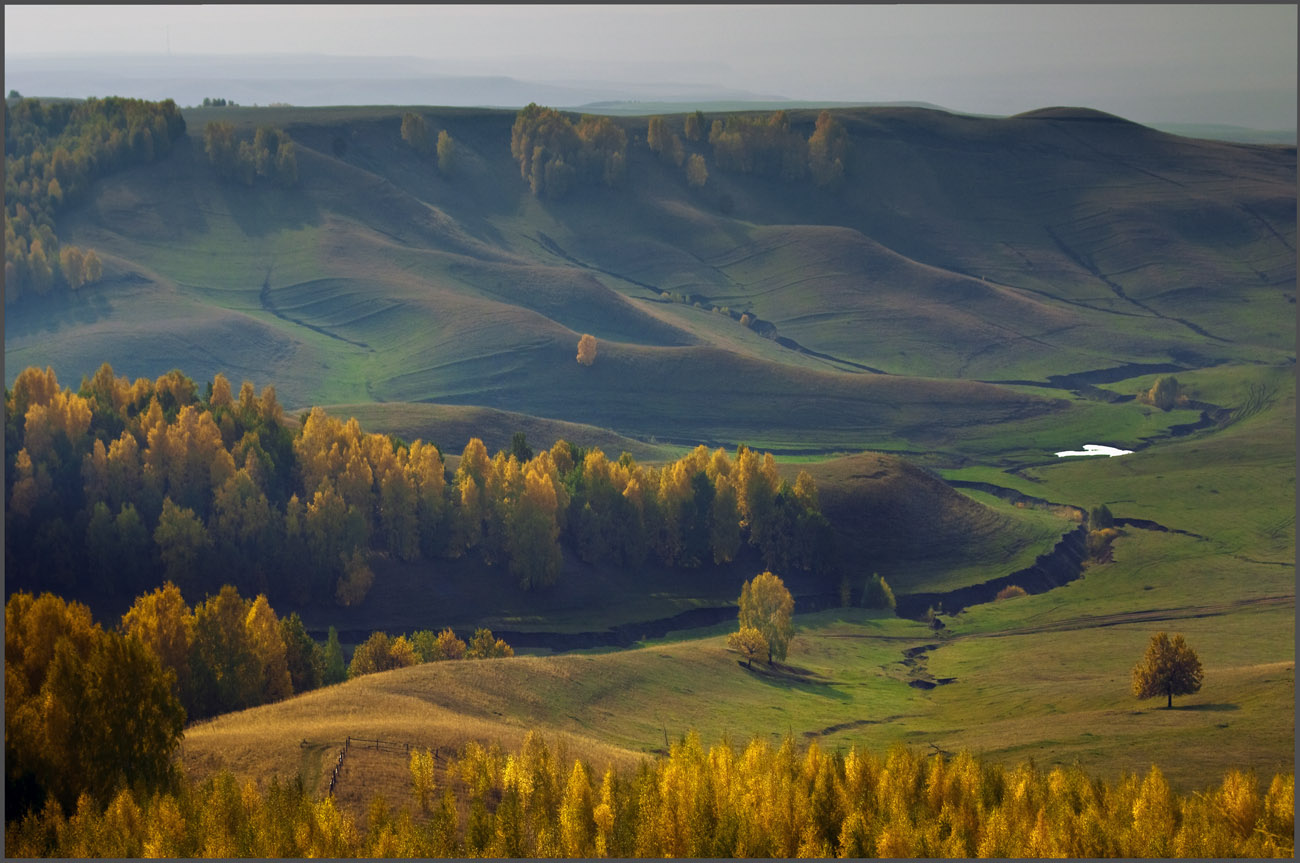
1010	592
877	593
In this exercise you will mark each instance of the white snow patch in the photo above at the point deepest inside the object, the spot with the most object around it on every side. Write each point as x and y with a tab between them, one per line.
1095	449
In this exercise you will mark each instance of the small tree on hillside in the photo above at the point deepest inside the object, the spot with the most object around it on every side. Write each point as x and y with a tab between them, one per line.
748	642
697	173
1100	517
766	605
446	153
1169	668
1165	394
877	593
587	349
415	132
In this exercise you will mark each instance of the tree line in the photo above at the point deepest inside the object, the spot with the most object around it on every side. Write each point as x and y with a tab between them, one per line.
554	155
270	154
54	150
750	800
124	484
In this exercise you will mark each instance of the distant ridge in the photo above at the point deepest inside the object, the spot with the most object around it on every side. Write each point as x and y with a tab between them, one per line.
639	108
1068	113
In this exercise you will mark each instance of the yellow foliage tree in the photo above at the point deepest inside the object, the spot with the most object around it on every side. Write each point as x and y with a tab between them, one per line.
422	777
766	605
587	349
267	643
1168	668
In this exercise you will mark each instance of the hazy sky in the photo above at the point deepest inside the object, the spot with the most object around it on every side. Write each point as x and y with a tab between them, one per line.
1148	62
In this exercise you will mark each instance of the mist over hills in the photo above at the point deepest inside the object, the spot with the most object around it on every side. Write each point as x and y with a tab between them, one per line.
320	80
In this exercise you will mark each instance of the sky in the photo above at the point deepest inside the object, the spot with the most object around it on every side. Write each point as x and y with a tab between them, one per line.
1229	63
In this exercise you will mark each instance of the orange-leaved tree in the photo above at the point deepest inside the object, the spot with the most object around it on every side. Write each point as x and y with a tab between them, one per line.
766	605
1169	668
587	349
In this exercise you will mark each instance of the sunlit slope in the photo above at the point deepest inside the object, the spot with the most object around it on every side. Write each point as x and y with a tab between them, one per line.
1056	694
959	248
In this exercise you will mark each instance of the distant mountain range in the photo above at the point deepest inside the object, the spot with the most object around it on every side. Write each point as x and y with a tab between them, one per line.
313	81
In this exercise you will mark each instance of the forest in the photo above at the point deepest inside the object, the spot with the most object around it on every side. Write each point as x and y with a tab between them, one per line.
750	800
130	483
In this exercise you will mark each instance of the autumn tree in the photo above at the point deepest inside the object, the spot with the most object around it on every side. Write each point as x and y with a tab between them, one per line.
766	605
484	645
532	532
381	653
446	153
415	132
827	151
748	642
449	646
162	622
697	173
1169	668
422	777
266	640
877	593
694	126
226	671
1166	393
587	349
85	710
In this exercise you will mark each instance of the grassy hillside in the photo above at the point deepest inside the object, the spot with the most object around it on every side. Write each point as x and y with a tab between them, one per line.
379	279
1043	676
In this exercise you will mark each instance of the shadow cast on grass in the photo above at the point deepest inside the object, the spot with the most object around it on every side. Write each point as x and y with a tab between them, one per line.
781	680
1207	707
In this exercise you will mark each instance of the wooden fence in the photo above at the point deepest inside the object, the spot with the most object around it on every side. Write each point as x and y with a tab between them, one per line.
377	745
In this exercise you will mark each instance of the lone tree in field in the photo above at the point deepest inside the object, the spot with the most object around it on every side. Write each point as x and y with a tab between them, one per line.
767	606
587	349
1169	668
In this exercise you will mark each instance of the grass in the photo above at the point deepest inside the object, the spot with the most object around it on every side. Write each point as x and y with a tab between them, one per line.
1056	696
436	301
389	282
1042	677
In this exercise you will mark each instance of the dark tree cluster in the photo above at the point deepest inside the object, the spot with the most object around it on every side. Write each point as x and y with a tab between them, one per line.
122	485
270	155
555	156
54	150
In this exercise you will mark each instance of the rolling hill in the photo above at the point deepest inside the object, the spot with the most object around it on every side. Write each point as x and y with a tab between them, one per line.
876	308
979	294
